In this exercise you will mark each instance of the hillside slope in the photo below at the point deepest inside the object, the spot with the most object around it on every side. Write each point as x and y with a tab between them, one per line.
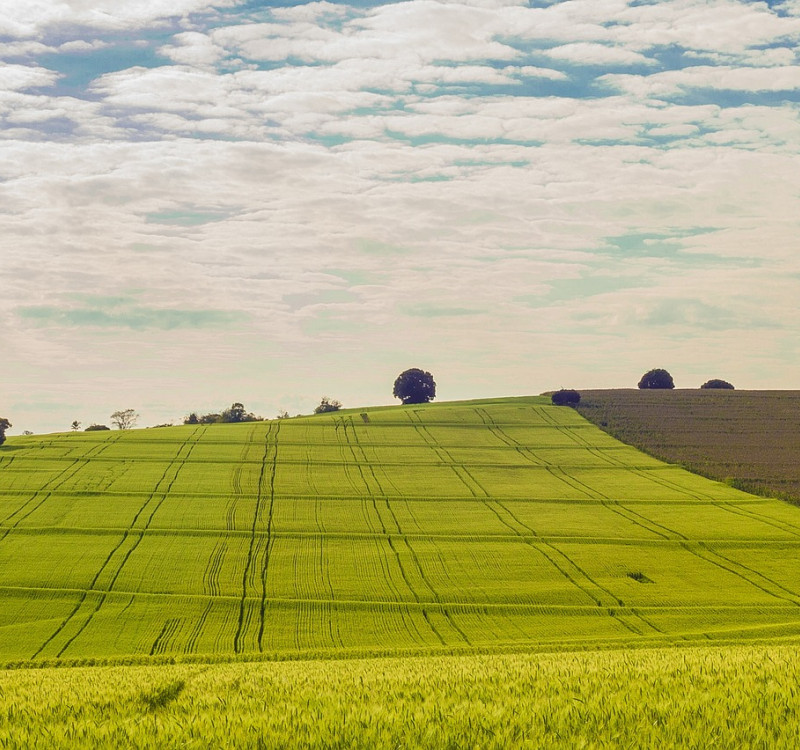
506	523
750	439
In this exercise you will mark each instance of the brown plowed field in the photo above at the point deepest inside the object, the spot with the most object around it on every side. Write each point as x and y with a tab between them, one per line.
750	439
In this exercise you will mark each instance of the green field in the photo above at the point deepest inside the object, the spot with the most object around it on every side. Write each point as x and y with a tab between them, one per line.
498	525
736	697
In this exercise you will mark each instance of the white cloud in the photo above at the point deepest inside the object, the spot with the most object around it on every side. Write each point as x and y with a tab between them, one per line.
586	53
34	17
81	45
193	48
22	77
361	207
784	78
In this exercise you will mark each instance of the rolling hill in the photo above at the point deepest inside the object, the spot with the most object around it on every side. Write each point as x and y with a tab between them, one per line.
504	524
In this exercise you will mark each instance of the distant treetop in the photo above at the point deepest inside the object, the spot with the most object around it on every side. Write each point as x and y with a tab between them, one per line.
566	397
4	425
656	379
717	383
124	419
414	386
327	404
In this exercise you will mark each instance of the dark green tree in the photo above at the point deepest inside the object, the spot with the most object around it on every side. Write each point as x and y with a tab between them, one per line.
717	383
328	404
4	425
566	397
414	386
96	428
236	413
655	379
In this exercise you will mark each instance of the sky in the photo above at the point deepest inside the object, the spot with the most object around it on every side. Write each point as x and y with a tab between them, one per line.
205	201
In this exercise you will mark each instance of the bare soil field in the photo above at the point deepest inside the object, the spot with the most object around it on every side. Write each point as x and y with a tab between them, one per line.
750	439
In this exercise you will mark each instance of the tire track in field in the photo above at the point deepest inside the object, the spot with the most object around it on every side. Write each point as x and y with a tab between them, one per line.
191	441
213	568
695	547
179	462
374	487
553	548
523	450
368	475
191	642
168	632
346	446
573	433
64	475
614	505
557	558
734	509
448	459
236	481
241	626
734	566
270	538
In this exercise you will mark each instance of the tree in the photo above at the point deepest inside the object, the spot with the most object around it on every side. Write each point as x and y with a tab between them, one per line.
717	383
414	386
192	419
327	405
655	379
76	425
96	428
4	425
283	414
566	397
124	419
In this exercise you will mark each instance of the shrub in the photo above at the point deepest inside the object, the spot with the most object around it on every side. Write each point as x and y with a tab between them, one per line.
717	383
96	428
328	404
566	397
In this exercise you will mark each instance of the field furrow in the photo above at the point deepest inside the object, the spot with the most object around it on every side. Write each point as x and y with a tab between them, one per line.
505	523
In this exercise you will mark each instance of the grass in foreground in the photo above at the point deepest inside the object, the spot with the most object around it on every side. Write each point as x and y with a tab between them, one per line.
702	697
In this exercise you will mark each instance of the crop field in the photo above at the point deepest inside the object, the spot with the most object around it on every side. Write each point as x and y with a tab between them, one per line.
497	525
751	439
736	697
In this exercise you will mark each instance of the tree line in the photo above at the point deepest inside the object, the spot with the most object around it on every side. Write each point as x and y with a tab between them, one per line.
413	386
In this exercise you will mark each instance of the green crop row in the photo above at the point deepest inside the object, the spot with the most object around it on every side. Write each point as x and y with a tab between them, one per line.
442	526
731	698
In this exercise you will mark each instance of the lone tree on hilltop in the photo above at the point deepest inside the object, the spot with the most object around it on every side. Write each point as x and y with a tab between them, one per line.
414	386
566	397
717	383
327	404
4	425
656	379
75	426
124	419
